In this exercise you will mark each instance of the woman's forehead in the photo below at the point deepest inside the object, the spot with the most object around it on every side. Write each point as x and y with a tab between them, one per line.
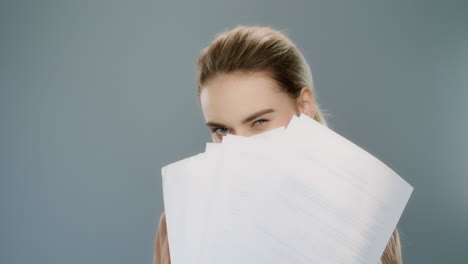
234	97
238	89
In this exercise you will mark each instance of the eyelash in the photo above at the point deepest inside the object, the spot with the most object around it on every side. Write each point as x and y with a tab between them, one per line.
214	130
264	120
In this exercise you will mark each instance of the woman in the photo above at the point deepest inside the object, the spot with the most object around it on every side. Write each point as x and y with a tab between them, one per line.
250	80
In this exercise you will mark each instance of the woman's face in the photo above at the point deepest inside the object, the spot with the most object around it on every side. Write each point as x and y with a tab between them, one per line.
246	104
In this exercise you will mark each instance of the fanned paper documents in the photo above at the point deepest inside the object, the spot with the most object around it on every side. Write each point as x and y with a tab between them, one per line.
301	194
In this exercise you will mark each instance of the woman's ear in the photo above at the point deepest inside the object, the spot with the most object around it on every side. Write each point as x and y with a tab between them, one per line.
306	102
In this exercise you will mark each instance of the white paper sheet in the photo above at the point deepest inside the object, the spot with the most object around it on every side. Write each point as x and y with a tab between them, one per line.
303	194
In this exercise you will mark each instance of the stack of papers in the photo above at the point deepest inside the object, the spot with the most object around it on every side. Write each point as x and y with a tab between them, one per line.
301	194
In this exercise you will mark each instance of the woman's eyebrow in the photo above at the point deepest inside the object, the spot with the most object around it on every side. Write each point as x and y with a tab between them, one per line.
246	120
213	124
257	114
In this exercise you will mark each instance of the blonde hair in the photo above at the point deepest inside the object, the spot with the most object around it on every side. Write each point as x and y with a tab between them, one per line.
255	48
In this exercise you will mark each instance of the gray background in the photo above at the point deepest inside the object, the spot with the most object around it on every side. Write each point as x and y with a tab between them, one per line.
96	96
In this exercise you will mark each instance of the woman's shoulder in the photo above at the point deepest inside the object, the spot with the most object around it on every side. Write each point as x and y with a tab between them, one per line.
161	248
162	222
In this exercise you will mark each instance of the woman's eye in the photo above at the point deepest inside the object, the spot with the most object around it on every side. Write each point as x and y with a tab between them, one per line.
220	130
259	122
